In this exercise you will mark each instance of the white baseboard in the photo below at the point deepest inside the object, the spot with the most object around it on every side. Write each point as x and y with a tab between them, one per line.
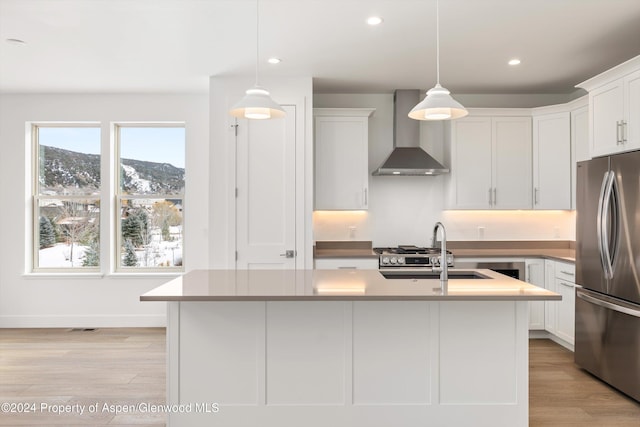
539	334
104	321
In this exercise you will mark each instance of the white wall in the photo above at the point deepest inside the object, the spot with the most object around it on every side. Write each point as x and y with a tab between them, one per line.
110	300
403	209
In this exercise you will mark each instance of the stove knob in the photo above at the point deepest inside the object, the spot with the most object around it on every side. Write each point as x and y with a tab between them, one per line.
385	260
401	260
394	260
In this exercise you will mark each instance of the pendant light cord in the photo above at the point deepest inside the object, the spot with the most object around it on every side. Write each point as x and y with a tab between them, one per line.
257	38
438	42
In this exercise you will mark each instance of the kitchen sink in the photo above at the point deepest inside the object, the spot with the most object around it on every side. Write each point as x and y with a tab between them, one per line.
432	275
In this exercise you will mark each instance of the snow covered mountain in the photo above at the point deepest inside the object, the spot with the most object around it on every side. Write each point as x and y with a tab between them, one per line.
68	170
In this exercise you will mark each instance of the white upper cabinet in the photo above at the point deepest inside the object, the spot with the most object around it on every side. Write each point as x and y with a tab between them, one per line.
606	119
579	144
471	170
614	113
341	158
491	163
551	161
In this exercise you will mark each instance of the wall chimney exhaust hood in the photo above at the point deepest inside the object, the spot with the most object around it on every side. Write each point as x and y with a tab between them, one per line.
407	158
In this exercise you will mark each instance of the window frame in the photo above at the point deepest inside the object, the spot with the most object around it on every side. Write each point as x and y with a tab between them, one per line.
37	197
119	196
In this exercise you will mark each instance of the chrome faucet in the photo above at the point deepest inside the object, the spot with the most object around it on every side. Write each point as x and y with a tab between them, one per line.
444	279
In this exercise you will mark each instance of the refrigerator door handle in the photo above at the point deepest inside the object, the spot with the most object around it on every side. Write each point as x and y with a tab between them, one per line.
609	305
601	225
610	223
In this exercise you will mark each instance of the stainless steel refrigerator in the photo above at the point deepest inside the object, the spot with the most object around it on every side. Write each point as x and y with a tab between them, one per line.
608	270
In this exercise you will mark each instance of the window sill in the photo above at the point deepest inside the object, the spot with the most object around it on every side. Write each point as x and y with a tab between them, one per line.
63	275
67	275
149	275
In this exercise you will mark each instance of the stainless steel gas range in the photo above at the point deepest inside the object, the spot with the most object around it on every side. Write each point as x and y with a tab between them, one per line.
405	256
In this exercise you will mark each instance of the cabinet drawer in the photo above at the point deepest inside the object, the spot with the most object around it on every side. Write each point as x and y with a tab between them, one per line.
566	271
347	263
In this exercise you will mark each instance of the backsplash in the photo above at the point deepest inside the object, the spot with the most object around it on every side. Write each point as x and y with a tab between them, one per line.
461	225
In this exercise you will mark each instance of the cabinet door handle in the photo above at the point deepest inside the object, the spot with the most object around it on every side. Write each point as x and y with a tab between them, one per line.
490	198
618	136
624	132
347	267
365	197
568	273
566	284
535	197
495	196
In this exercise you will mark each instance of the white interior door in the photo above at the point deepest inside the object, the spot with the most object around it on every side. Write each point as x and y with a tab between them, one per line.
266	196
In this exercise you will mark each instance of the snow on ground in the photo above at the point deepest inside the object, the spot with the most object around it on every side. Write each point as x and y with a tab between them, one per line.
159	253
58	255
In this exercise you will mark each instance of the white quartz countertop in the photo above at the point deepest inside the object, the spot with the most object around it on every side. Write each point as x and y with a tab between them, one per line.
354	285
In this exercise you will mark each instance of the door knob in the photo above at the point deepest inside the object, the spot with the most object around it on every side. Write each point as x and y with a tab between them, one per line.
289	253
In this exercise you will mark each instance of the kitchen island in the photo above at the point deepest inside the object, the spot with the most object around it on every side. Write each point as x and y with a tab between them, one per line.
346	348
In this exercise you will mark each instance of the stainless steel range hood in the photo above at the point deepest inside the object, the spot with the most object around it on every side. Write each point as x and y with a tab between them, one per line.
407	158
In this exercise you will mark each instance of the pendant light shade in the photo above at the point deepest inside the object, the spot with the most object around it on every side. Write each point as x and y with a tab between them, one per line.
257	102
438	104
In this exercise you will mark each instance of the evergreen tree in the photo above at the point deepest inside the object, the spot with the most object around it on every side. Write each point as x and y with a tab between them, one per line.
135	227
130	257
47	233
92	255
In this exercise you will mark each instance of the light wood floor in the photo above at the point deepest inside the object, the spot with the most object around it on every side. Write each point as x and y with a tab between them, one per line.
560	394
61	366
127	367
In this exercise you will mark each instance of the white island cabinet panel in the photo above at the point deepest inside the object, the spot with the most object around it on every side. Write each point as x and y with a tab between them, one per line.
466	382
391	354
346	348
223	370
306	350
349	363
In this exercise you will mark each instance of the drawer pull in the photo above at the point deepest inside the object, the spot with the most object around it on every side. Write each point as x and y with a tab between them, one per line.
568	273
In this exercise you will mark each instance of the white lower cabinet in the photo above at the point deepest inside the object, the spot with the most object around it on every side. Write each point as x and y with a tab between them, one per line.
346	263
550	311
535	276
560	315
566	310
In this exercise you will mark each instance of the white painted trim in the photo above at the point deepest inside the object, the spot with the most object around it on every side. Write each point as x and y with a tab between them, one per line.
98	321
611	74
344	112
561	108
504	112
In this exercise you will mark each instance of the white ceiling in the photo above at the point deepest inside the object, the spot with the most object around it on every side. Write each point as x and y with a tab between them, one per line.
175	45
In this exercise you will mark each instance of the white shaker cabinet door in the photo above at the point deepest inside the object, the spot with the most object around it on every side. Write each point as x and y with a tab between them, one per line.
341	161
471	164
551	160
535	276
632	111
512	162
606	113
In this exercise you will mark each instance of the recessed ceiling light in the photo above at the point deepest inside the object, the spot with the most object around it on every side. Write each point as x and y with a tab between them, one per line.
274	60
514	61
15	41
374	20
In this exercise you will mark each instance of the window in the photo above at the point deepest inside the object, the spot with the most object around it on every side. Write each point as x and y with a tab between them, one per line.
150	195
66	198
70	195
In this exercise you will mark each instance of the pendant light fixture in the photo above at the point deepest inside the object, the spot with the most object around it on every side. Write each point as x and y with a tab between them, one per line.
438	104
257	103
